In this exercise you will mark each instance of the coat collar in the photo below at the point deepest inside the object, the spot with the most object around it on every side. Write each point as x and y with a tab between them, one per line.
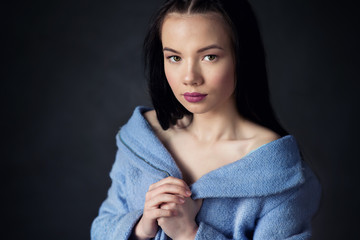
272	168
138	136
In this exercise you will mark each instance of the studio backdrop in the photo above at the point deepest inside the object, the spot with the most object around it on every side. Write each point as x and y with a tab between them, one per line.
73	73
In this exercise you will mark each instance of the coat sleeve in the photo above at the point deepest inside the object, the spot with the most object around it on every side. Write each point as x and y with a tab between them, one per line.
207	232
291	219
115	221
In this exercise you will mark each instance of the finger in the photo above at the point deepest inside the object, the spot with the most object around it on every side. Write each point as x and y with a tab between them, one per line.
156	201
168	189
168	206
158	213
169	180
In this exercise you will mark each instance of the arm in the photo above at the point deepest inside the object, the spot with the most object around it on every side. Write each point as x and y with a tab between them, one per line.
291	219
115	221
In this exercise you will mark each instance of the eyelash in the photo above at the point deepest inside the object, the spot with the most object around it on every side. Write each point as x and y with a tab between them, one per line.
211	55
171	58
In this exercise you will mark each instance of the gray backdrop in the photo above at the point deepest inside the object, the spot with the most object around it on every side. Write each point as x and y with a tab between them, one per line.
72	75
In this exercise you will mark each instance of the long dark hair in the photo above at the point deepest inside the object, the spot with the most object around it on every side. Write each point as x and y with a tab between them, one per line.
251	91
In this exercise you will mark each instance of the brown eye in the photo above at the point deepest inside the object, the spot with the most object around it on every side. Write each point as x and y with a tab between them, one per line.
174	58
210	57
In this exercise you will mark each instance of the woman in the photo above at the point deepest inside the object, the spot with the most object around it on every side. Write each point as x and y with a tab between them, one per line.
210	161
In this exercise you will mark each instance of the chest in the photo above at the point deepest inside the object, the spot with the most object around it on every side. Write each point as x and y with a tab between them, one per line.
196	159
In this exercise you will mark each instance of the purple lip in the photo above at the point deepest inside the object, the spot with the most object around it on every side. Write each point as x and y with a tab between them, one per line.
194	97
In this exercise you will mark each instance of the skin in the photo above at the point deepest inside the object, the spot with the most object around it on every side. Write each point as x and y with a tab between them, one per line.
198	57
162	208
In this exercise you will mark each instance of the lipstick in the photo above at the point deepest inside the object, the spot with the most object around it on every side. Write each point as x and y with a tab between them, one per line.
194	97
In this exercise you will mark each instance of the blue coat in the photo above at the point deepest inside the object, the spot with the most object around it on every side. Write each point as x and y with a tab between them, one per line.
268	194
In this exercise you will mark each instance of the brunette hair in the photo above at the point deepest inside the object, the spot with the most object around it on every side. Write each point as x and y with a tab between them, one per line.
251	91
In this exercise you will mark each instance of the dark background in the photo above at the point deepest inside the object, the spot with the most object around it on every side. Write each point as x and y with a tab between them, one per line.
72	75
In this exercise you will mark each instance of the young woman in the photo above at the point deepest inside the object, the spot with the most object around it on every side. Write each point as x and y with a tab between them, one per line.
210	161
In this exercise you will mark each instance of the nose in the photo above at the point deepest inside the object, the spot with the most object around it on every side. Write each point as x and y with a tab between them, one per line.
193	74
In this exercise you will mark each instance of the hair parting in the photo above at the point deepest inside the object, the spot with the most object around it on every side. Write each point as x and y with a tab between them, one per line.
251	91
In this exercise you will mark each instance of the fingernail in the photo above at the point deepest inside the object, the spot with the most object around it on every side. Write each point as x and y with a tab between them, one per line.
188	193
181	200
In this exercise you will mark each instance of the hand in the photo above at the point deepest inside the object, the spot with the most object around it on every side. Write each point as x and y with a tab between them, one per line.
167	191
182	225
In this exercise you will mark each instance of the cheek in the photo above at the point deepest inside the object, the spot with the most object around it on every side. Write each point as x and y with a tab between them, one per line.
224	78
171	76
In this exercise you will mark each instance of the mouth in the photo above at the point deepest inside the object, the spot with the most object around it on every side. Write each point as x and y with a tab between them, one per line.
194	97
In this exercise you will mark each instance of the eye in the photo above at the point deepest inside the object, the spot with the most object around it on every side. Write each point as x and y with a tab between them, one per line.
210	57
174	59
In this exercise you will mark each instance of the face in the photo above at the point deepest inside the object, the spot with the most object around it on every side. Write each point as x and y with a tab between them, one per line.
199	61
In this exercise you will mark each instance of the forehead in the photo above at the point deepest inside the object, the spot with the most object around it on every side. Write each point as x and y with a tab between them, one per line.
189	27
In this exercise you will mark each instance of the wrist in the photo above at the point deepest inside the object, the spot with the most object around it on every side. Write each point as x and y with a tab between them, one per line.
189	235
139	234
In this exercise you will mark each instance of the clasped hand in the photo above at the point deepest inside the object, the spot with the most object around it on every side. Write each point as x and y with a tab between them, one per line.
168	204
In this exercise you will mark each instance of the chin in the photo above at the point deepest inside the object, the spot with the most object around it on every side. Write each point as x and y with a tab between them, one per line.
196	108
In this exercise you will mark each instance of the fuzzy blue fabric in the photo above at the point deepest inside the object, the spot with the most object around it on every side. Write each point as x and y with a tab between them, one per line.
268	194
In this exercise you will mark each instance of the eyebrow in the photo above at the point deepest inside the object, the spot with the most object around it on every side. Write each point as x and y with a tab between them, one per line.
213	46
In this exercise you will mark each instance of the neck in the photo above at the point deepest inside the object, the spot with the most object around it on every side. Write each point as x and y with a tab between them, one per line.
223	123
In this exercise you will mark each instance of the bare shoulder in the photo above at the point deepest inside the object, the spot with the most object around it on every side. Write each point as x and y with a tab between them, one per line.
261	136
151	117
